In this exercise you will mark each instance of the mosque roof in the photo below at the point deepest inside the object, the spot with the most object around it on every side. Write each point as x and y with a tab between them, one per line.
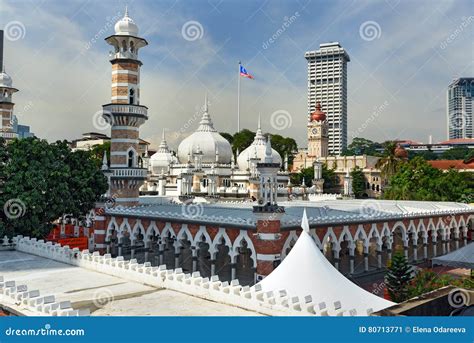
320	213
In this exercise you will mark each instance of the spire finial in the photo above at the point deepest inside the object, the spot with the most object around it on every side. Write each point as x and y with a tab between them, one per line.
206	104
163	135
304	222
126	11
259	121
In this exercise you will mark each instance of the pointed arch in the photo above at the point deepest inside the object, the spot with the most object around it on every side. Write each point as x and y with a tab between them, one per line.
125	227
138	228
291	237
316	239
221	234
110	228
243	236
202	232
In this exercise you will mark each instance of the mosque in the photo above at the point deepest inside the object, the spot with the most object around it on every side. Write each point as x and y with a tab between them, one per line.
184	226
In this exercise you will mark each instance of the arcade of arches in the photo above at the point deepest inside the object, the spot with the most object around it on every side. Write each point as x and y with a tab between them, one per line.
231	253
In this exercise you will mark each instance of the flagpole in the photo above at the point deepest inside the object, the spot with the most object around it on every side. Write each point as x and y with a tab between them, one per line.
238	100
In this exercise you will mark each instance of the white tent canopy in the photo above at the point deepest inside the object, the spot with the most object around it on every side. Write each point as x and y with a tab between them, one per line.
305	271
461	258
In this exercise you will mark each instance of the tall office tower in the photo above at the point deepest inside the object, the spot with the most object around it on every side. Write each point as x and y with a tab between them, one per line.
327	84
459	108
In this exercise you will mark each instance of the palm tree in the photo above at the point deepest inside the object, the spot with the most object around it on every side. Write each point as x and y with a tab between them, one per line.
390	162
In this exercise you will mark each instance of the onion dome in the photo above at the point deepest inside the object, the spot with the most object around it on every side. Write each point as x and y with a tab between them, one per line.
400	152
5	80
213	146
126	26
161	160
258	149
318	115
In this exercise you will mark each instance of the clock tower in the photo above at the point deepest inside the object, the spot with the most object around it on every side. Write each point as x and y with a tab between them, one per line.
317	134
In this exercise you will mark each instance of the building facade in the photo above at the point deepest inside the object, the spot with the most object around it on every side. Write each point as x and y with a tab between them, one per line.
327	84
459	108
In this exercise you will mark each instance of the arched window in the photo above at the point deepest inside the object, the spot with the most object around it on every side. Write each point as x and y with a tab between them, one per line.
132	96
132	47
124	46
131	157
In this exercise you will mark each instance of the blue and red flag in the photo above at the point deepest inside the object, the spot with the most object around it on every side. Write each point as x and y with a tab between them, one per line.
244	73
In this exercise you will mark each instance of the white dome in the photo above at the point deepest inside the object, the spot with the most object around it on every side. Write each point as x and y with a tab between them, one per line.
208	140
256	150
126	26
161	160
5	80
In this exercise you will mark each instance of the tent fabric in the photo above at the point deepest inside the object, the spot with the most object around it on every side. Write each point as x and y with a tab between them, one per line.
306	271
461	258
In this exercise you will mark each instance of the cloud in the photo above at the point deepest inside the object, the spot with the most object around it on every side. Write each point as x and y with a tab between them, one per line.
61	66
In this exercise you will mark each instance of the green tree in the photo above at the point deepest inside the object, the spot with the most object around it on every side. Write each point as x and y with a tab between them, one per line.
389	163
427	155
418	180
285	146
44	181
242	140
362	146
457	153
398	277
296	179
358	182
97	152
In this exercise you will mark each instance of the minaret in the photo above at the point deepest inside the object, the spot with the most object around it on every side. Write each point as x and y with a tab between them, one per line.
6	103
318	133
318	180
124	112
269	240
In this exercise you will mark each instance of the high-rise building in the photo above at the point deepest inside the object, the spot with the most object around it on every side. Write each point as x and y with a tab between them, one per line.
327	84
459	108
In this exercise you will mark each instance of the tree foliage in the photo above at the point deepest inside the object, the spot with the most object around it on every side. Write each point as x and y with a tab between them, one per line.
363	146
45	181
358	182
97	152
398	277
389	162
418	180
329	176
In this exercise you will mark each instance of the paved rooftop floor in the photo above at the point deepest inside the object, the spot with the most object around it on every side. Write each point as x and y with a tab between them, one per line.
103	294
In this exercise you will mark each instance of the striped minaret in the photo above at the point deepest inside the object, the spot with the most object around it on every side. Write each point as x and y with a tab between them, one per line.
125	113
6	104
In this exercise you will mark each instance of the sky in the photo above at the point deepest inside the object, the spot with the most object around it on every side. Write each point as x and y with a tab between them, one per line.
403	56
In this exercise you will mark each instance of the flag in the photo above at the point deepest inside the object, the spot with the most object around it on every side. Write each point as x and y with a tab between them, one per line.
244	73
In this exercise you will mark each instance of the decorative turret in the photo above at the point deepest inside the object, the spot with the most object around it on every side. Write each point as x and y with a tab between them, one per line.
318	180
6	104
125	113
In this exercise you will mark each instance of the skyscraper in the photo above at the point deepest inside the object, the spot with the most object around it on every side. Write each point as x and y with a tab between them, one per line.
459	108
327	84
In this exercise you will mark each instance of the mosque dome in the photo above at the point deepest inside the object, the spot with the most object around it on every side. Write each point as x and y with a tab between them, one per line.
5	80
256	150
161	160
212	146
318	115
126	26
